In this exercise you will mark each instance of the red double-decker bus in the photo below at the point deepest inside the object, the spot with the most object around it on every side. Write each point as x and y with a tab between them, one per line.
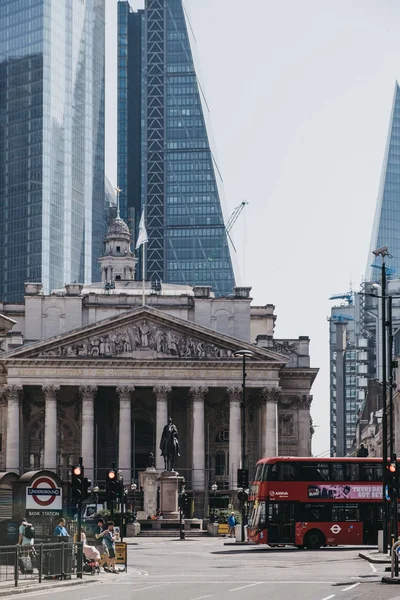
311	502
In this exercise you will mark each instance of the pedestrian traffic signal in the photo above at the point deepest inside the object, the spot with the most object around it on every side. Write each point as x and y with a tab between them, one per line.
77	488
393	478
243	478
87	485
111	486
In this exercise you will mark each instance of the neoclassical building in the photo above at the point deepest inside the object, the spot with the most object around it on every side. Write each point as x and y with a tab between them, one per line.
95	371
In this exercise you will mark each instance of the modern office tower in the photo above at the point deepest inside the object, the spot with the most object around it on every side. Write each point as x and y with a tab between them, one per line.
51	143
355	343
165	163
386	228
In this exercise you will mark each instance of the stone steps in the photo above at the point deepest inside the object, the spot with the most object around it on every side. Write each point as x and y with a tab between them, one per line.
174	533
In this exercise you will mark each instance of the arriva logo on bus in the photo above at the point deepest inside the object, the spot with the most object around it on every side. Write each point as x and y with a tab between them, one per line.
278	494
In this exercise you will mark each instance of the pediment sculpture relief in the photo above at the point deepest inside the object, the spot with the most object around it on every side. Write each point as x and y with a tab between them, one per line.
143	336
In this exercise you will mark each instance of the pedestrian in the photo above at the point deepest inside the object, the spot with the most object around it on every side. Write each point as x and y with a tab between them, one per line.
232	524
61	530
109	542
26	534
100	544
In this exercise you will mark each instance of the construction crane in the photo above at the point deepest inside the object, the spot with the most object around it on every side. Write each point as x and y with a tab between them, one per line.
348	296
232	220
389	270
341	318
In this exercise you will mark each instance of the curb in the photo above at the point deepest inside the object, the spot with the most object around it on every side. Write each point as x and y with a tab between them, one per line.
372	559
40	588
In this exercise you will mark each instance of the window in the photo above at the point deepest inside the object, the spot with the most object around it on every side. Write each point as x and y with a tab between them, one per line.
352	472
318	471
345	512
118	249
370	472
286	471
337	472
118	278
220	460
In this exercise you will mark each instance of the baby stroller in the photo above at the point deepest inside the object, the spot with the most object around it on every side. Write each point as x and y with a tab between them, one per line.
91	566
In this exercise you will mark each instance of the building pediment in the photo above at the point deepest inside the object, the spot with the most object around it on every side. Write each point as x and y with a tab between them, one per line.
142	334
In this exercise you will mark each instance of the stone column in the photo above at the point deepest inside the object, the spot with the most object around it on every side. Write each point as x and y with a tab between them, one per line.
270	441
198	394
87	394
161	394
235	434
50	427
13	395
125	431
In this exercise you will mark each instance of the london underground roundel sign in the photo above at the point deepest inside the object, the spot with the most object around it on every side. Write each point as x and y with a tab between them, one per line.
44	494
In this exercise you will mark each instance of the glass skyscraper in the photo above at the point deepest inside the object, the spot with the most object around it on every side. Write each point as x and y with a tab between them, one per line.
51	142
386	228
165	163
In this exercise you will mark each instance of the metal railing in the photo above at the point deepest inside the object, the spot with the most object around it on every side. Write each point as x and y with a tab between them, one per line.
60	560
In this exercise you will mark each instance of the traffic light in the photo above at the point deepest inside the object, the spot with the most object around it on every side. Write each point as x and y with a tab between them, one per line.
111	486
393	478
87	485
243	478
77	487
119	491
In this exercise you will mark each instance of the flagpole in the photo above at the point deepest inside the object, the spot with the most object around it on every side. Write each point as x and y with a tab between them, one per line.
143	275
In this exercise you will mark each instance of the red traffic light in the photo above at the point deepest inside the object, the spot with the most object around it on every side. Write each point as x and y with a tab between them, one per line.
77	470
111	475
393	467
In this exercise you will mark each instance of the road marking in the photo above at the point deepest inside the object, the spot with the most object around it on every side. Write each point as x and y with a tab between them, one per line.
202	597
350	587
373	567
95	597
329	597
149	588
246	586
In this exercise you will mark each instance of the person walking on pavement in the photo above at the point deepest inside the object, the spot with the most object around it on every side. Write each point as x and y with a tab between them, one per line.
232	524
61	530
109	542
100	544
26	535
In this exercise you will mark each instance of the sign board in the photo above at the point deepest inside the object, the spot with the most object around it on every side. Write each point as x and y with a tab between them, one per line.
343	492
117	533
43	497
121	554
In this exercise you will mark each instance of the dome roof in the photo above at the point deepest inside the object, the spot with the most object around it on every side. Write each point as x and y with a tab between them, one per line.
118	228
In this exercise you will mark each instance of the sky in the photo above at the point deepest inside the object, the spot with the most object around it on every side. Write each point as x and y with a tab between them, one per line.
300	95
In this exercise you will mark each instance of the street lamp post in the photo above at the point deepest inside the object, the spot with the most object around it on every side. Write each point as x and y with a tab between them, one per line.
244	354
133	490
96	491
214	488
383	252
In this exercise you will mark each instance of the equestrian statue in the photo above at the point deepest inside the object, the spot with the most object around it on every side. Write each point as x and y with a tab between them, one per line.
169	445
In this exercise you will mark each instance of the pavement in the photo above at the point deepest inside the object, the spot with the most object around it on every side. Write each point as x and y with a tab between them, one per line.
205	569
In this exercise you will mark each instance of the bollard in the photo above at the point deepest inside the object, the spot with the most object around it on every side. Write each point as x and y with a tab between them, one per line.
395	559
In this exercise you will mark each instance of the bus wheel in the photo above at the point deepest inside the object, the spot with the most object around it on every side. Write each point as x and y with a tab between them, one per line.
314	539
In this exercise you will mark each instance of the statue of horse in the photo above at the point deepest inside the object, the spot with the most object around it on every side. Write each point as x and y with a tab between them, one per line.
169	446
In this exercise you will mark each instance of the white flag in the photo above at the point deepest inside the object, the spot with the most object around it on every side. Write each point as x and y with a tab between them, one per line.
142	236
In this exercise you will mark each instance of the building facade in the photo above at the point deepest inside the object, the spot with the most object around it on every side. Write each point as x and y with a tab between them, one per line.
386	227
93	371
51	143
165	162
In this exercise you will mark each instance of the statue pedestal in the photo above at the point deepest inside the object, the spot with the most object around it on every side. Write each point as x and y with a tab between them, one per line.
149	483
169	494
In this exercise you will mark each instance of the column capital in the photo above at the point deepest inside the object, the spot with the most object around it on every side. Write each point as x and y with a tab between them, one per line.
50	391
235	394
12	392
270	394
87	392
197	394
161	392
124	391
